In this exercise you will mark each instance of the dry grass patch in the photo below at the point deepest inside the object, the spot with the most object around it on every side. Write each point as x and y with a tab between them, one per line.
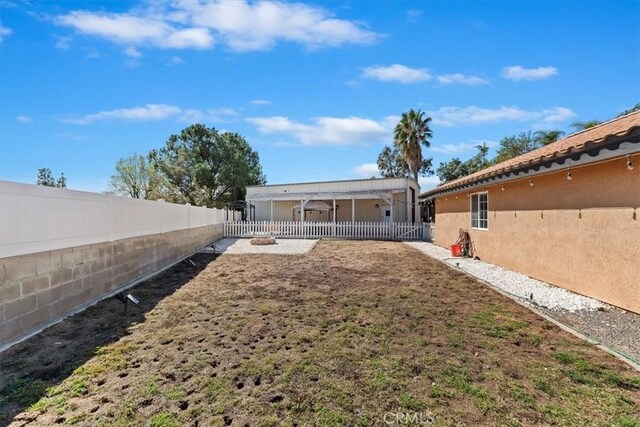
341	336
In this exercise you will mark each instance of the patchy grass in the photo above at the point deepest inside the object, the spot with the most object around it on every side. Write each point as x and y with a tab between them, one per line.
345	335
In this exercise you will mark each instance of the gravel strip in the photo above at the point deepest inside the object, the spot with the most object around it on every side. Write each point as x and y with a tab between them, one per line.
282	246
524	287
611	326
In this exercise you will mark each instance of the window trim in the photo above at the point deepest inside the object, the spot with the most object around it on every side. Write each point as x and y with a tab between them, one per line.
478	193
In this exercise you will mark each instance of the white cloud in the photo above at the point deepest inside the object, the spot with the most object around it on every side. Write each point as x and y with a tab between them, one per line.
517	73
396	73
452	149
133	53
412	15
175	60
461	147
222	115
24	119
259	25
149	112
556	115
64	42
192	116
328	130
260	102
92	53
461	116
240	25
156	112
134	30
367	170
4	31
73	136
457	78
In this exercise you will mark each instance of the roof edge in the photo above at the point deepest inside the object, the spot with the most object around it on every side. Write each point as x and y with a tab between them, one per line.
334	181
588	155
542	154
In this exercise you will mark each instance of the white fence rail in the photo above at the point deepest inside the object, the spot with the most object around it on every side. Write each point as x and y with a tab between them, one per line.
35	218
339	230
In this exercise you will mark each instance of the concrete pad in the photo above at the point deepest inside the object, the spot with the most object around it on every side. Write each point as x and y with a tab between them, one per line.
282	246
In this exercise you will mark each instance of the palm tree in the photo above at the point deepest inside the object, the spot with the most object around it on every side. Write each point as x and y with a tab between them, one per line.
578	126
411	132
546	137
483	150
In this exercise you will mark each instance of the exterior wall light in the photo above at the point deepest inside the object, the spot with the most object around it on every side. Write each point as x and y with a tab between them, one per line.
569	175
502	187
629	164
530	182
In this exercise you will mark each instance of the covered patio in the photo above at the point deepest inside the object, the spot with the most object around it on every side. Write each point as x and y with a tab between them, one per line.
370	200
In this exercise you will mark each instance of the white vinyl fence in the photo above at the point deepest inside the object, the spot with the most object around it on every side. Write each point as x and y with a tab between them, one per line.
339	230
36	218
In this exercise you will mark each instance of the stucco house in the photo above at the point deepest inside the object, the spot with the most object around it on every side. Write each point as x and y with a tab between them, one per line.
372	200
567	213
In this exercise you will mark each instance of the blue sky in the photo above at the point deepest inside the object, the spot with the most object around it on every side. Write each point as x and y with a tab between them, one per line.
316	87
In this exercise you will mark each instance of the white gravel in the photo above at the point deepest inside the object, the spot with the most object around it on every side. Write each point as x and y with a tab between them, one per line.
530	290
282	246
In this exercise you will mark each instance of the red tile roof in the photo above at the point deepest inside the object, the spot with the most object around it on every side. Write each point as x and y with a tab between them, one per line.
576	142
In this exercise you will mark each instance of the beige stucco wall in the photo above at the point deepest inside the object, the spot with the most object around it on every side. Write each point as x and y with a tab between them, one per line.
41	288
583	234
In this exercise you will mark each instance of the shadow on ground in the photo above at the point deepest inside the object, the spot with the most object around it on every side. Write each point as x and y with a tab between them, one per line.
26	372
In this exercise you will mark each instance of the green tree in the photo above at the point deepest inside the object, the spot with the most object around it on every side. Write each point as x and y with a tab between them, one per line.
45	178
546	137
514	146
453	169
480	160
61	182
138	177
410	134
391	164
630	110
205	167
578	126
456	168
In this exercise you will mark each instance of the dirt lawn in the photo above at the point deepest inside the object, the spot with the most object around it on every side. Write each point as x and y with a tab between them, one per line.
353	333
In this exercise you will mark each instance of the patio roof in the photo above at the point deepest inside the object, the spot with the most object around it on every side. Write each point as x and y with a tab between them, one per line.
314	205
594	137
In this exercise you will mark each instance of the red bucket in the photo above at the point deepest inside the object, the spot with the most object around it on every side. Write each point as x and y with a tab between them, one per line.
456	250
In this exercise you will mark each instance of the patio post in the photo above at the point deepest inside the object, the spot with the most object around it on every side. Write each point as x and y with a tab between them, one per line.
407	205
391	206
353	210
271	201
392	222
334	217
304	234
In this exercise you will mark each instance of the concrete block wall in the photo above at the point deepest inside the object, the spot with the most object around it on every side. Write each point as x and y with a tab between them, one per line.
38	289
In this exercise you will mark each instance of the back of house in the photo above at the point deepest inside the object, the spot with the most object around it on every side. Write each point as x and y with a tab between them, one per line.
566	213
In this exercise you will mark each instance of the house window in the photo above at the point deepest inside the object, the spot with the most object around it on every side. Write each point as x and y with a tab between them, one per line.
479	211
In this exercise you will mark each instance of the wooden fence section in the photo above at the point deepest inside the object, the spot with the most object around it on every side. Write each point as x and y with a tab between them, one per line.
329	230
